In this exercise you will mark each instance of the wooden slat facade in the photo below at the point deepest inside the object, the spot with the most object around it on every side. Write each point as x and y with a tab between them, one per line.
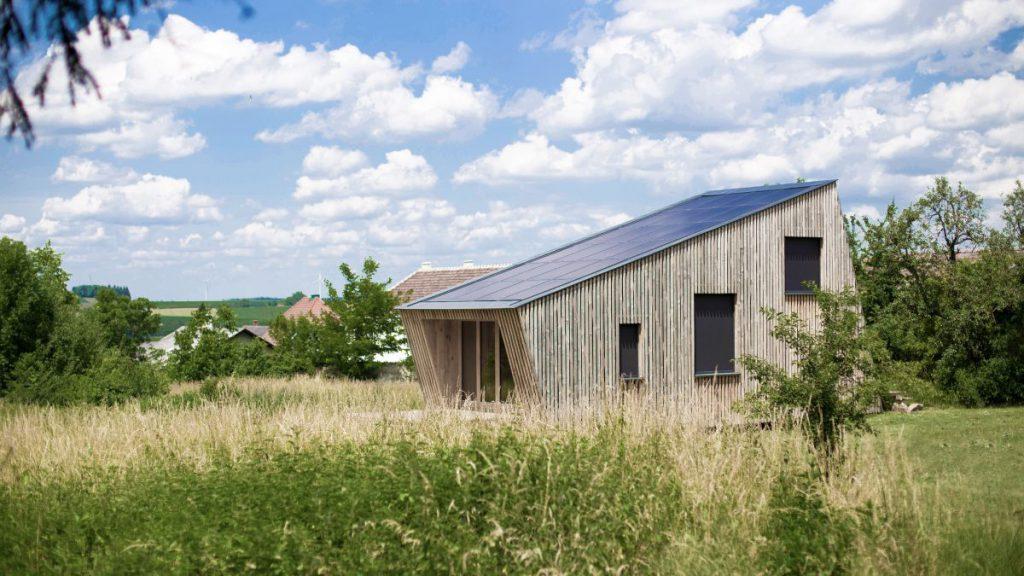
564	347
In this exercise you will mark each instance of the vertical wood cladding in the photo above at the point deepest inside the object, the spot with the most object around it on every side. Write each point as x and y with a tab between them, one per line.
572	335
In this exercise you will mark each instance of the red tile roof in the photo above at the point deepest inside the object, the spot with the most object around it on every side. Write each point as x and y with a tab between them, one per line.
312	307
428	280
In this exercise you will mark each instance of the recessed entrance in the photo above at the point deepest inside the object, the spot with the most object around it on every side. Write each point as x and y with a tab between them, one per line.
486	375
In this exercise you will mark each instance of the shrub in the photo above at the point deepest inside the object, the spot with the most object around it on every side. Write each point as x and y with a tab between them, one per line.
832	385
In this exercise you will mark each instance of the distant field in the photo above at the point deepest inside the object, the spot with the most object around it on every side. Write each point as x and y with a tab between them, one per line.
175	313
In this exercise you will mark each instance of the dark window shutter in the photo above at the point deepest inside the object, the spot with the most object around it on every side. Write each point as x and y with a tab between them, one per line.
803	264
629	350
714	338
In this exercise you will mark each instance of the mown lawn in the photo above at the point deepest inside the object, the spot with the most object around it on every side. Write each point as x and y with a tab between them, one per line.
976	455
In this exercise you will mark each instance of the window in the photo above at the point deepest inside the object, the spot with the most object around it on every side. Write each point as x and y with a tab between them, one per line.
803	264
629	351
714	339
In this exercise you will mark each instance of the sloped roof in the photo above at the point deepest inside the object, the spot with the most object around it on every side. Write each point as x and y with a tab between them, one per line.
427	280
257	331
612	248
312	307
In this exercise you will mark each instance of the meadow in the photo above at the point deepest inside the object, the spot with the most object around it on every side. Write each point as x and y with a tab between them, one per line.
322	476
175	313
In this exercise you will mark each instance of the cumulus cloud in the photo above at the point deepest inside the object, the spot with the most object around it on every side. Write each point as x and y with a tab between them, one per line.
344	208
78	169
400	172
689	65
151	199
270	214
146	80
876	137
453	61
447	106
10	224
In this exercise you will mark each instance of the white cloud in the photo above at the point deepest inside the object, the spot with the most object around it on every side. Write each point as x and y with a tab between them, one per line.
10	223
864	211
344	208
332	161
78	169
401	171
447	106
190	240
163	136
146	80
270	215
688	66
876	137
453	61
267	235
151	199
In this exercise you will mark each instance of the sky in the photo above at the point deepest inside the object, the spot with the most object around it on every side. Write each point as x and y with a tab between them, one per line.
232	156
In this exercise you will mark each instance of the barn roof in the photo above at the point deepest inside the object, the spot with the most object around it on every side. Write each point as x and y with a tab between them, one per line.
612	248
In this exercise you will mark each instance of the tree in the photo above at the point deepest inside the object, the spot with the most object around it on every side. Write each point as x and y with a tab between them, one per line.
1013	215
295	297
955	217
202	348
832	385
126	323
364	323
31	294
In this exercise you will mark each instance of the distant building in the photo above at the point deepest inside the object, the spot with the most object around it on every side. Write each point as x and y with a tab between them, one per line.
309	306
429	279
252	332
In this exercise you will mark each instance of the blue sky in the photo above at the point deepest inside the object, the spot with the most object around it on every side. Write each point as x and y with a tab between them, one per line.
250	155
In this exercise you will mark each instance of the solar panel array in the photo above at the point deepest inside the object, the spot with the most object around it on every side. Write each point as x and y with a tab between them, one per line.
562	267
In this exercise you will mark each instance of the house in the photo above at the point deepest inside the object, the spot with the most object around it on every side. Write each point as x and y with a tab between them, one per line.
429	279
311	306
664	303
253	332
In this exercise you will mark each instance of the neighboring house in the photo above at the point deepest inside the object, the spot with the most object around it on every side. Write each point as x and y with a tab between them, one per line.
663	303
254	332
311	306
430	279
165	344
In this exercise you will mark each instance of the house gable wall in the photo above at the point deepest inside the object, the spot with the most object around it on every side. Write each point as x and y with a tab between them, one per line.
572	336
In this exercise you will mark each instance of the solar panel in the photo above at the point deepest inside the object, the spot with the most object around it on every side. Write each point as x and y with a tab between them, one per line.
612	248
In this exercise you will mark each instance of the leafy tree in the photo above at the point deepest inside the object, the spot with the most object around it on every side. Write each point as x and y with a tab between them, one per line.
202	348
31	294
832	385
295	297
126	323
91	290
364	322
955	217
1013	215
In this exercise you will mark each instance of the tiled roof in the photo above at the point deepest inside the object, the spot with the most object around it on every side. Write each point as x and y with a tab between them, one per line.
428	280
613	248
312	307
257	331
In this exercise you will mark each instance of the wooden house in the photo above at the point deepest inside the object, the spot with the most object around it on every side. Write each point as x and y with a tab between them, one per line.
662	304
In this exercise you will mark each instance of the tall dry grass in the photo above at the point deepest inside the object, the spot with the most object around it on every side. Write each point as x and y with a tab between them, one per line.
728	478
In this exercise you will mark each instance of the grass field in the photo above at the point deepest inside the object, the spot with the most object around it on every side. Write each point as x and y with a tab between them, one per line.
320	476
175	313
